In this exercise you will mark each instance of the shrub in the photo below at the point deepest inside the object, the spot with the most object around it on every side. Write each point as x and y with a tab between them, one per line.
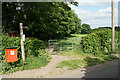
97	41
32	47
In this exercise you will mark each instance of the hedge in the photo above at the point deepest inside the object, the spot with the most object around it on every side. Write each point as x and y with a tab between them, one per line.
31	46
98	41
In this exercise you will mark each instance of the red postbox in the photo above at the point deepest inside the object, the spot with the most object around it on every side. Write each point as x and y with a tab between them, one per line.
11	54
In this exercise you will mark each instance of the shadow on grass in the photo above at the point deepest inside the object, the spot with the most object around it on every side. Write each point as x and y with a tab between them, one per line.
93	61
104	70
71	36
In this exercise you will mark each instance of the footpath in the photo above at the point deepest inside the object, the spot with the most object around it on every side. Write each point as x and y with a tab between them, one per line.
50	70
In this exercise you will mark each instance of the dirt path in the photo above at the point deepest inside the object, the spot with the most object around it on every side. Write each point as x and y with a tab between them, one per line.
48	71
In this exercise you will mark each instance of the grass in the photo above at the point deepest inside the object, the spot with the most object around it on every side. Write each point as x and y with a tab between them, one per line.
32	62
41	75
87	61
35	62
76	54
0	67
76	36
84	60
71	64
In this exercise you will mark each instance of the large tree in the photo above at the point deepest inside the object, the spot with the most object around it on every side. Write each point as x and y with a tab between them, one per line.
86	29
45	20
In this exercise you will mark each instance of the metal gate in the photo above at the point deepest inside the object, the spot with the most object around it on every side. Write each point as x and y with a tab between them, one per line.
59	45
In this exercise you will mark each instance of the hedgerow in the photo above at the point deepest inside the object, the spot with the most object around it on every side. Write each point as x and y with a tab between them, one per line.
98	41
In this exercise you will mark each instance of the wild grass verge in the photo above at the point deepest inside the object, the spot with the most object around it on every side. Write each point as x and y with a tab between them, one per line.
84	60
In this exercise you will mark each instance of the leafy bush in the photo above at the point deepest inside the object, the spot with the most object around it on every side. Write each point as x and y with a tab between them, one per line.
32	47
97	41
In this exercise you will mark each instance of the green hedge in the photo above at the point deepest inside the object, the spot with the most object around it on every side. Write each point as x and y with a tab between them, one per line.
32	47
98	41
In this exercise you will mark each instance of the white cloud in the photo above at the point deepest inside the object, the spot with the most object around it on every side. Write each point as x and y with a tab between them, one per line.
100	18
107	10
95	1
81	12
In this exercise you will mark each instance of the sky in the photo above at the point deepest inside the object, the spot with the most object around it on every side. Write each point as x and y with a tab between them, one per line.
96	13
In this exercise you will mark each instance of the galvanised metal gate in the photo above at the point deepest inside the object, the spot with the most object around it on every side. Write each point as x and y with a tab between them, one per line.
59	45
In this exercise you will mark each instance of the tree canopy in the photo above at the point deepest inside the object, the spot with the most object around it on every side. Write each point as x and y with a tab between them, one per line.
45	20
86	29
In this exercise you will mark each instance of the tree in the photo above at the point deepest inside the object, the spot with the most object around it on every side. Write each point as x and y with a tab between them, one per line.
85	29
45	20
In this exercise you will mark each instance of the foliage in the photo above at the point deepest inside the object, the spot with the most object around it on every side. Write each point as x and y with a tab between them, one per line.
97	38
49	19
101	28
118	41
44	52
33	62
86	29
32	47
117	28
97	41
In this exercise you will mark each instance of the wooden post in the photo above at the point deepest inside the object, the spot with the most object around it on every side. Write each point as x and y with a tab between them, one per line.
22	43
113	28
